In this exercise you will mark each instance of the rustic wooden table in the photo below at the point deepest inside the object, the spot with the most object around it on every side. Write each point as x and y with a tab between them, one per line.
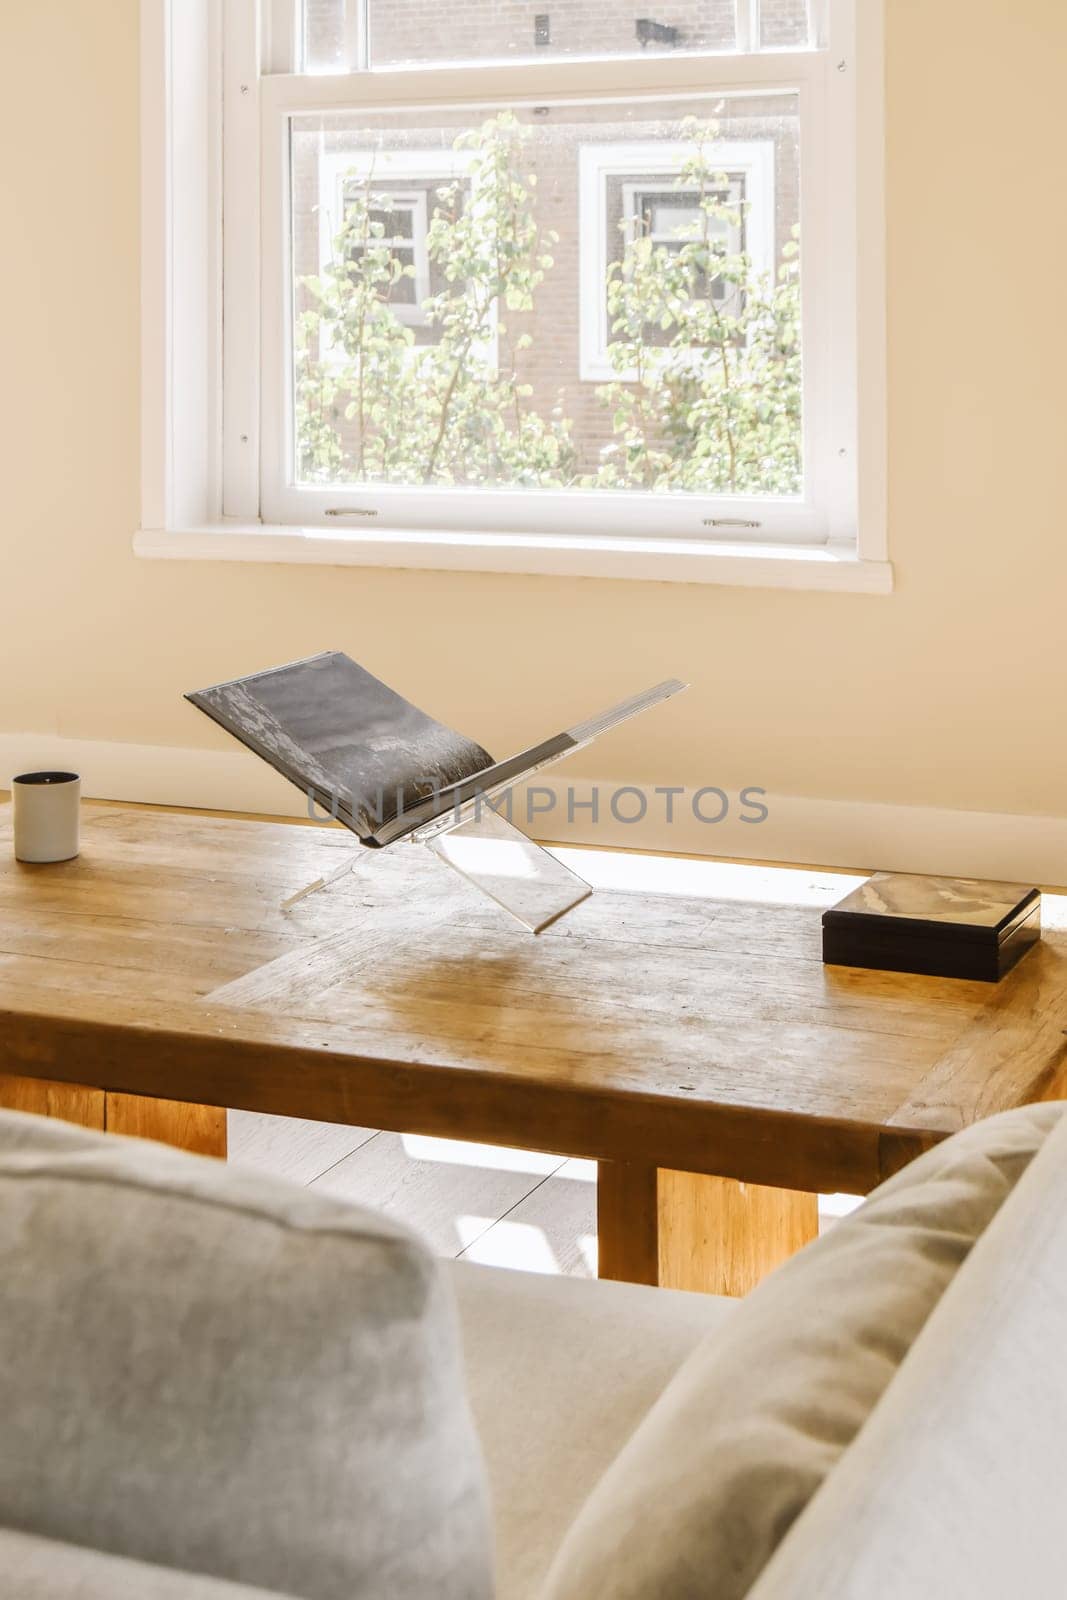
695	1046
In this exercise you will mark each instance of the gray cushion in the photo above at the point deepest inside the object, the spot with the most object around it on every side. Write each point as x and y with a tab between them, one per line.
697	1501
43	1569
560	1372
210	1370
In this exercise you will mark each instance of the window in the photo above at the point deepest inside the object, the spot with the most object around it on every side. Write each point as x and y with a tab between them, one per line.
673	218
582	274
361	216
670	219
708	216
339	37
393	224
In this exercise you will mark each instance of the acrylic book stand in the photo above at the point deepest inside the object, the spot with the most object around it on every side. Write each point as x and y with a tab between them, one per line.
343	736
486	848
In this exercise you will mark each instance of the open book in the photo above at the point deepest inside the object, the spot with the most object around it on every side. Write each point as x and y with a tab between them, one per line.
373	760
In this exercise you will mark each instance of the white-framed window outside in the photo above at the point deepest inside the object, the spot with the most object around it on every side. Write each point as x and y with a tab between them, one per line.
397	224
383	200
671	216
638	189
694	186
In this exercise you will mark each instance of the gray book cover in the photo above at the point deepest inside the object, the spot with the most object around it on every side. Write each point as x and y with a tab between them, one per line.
328	725
371	758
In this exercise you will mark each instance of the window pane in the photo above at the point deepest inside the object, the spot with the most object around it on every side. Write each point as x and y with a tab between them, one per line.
400	31
326	45
674	215
784	24
582	297
395	222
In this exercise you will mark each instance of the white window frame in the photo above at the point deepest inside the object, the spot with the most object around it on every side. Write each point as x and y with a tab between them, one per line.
210	63
599	163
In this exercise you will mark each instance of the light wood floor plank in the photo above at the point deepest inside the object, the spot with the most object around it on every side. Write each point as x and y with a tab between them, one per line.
451	1202
553	1230
291	1147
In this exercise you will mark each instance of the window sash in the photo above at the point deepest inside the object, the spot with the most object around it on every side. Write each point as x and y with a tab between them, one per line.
828	509
288	54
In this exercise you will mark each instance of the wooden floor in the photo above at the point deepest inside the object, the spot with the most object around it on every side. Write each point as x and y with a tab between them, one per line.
504	1208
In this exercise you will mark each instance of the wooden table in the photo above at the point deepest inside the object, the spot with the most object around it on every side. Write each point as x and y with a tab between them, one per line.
695	1046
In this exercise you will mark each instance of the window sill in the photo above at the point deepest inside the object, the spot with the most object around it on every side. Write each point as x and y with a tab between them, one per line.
764	566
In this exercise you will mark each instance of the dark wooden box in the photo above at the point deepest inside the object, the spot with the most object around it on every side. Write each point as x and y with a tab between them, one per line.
944	927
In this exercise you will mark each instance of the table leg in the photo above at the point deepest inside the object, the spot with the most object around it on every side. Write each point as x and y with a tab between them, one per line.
189	1127
685	1231
71	1102
627	1221
201	1129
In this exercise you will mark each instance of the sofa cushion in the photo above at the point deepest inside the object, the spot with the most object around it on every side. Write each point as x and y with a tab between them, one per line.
213	1371
44	1569
759	1415
953	1486
560	1372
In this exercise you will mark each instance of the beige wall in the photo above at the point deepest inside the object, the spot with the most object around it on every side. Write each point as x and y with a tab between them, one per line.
949	692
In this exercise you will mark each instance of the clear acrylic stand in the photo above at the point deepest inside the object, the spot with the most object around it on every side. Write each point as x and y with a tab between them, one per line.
523	877
480	844
319	883
496	857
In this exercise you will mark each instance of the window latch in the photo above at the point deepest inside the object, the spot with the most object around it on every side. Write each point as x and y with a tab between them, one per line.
731	522
350	511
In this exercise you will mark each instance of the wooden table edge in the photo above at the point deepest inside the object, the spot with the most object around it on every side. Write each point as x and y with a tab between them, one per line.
760	1145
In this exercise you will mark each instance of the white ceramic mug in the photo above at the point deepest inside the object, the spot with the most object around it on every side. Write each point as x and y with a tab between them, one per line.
46	815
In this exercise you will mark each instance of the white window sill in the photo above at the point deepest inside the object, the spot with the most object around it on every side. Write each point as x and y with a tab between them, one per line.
763	566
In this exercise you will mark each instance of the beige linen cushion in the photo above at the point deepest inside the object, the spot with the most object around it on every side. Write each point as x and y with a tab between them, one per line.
954	1488
216	1372
707	1487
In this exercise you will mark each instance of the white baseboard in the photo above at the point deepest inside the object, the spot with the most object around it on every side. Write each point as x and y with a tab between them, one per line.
155	774
855	834
835	833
